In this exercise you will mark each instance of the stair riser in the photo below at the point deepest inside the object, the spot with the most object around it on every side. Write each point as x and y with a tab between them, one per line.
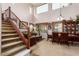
9	41
14	52
11	45
11	36
7	28
8	32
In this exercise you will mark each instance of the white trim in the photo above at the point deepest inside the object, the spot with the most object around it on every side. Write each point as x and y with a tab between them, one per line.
25	52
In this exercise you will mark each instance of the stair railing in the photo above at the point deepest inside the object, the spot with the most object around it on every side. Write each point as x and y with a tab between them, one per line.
14	20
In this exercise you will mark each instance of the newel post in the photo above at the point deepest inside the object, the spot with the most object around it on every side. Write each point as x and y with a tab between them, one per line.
9	12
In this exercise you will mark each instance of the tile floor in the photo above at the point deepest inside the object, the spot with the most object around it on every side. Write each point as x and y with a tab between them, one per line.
47	48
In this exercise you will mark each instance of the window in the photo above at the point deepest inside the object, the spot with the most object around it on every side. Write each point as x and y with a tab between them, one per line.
59	5
58	27
30	10
42	8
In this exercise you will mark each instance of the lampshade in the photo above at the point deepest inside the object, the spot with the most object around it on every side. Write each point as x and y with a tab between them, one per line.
31	27
60	18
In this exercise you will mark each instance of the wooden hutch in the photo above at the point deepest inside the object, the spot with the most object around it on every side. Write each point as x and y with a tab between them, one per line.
70	26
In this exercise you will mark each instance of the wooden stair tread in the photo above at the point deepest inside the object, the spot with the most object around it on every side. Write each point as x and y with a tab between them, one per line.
6	27
11	44
14	50
9	34
8	30
8	39
4	24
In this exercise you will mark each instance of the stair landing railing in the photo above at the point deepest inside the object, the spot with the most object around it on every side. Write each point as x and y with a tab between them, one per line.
14	20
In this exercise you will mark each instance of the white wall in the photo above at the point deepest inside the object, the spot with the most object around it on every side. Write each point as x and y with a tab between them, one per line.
0	29
20	9
67	12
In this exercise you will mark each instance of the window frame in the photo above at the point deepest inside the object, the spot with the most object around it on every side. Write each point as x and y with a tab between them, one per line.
46	9
60	5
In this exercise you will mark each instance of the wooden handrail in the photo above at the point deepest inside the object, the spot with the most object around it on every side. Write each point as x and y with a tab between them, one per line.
6	10
29	34
26	41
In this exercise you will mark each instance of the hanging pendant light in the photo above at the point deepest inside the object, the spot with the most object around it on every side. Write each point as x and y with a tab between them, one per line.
60	16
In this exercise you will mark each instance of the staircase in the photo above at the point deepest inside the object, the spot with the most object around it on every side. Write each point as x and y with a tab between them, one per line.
11	42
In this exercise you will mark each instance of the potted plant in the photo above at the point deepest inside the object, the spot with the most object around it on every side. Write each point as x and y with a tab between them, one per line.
77	20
